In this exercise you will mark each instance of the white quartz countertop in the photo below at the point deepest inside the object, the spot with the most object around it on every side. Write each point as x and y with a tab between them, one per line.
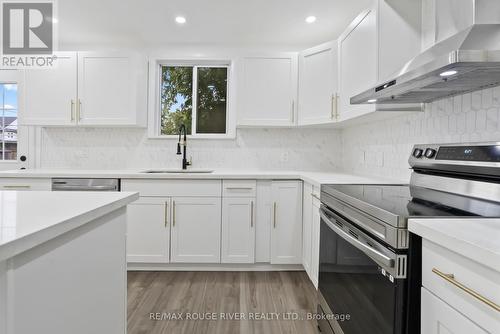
316	178
30	218
477	239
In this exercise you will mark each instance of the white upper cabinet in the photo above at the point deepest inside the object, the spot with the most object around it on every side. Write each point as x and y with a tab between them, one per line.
318	84
88	89
109	89
358	62
374	47
267	90
50	94
286	231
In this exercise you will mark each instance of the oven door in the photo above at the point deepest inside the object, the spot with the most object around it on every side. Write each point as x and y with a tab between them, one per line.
358	279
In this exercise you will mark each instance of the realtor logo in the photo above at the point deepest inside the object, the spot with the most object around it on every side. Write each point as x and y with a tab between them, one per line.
27	28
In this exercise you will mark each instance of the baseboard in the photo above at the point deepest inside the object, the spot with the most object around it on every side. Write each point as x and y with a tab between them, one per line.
212	267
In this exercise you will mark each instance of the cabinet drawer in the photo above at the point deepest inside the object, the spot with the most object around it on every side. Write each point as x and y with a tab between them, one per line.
25	184
468	274
239	188
439	318
180	187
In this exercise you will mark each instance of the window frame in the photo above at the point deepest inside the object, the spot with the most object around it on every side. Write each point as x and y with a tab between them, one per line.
25	134
154	98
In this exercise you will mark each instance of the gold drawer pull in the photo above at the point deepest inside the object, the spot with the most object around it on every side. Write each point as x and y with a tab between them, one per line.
450	278
17	187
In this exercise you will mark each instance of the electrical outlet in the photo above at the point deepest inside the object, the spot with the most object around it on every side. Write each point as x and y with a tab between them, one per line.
284	157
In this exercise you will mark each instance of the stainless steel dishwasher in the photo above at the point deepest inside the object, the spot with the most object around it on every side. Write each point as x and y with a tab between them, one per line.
83	184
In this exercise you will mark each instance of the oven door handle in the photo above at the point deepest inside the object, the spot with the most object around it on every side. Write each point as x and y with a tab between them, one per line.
372	253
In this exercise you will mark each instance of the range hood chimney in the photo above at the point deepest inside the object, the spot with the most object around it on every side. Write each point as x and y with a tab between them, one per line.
465	62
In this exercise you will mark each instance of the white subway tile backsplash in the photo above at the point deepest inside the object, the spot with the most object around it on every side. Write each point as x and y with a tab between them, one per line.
376	149
119	148
472	117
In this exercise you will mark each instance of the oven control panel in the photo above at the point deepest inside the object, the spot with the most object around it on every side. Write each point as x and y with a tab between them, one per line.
460	152
486	153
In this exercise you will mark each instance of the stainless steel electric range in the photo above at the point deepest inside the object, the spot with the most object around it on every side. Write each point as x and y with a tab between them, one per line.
370	265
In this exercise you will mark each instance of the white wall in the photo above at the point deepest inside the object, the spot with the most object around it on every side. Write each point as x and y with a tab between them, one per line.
266	149
382	148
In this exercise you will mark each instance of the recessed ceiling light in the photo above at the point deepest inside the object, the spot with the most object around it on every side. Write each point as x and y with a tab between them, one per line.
448	73
310	19
372	100
180	19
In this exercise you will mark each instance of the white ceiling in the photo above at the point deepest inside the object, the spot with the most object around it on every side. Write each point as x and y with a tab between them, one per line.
223	22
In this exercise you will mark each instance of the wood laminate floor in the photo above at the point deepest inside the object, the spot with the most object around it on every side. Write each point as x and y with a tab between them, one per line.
153	297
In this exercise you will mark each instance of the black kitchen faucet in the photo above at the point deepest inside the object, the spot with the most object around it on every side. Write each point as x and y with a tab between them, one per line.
182	130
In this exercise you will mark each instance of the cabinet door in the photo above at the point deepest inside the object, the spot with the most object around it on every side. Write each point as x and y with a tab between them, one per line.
440	318
264	216
307	227
108	89
286	232
50	94
318	84
316	222
196	229
238	230
148	230
268	90
358	63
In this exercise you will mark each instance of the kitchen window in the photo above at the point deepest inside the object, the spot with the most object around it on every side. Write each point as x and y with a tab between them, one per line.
8	121
193	94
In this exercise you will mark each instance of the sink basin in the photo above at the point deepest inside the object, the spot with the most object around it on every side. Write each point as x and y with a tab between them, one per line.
177	171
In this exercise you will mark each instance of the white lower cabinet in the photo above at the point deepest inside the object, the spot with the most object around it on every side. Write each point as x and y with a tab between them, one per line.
148	230
307	227
196	229
310	232
440	318
209	221
238	230
316	222
286	231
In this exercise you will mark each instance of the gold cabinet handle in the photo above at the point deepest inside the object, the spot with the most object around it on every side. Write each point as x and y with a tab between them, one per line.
335	106
316	196
251	214
274	214
173	213
72	110
17	187
79	110
450	278
332	115
166	214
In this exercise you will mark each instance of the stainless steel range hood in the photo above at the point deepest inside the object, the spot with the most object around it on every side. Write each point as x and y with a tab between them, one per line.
465	62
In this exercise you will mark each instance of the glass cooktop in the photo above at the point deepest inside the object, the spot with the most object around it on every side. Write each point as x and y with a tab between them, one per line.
407	201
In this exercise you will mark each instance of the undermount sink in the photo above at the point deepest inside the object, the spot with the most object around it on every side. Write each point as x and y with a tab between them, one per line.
177	171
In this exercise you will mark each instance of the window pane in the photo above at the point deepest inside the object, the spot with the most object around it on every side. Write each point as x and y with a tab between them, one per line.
8	124
211	100
176	93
